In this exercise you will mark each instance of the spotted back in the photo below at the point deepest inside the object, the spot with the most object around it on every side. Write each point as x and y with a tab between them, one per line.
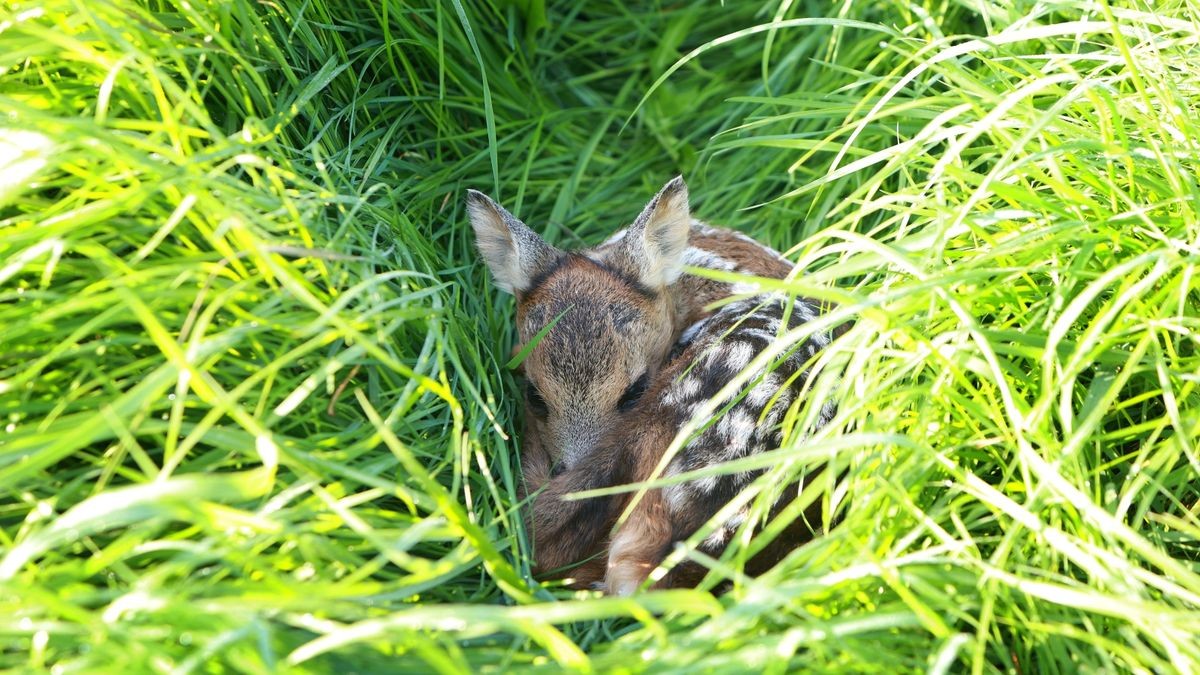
713	352
710	354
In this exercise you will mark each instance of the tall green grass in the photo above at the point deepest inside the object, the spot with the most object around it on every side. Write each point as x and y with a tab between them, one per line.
254	411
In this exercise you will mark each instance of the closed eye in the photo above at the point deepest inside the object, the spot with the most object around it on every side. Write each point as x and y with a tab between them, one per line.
633	393
534	398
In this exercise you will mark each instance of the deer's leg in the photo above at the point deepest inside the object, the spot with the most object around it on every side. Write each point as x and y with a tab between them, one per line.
569	531
536	463
564	532
639	545
662	518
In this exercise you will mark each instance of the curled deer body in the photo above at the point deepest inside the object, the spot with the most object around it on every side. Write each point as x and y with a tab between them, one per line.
619	309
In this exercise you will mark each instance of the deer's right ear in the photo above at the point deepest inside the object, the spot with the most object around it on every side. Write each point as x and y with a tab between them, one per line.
656	241
513	252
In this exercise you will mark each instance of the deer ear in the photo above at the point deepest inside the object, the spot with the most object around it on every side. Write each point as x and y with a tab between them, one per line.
513	252
656	241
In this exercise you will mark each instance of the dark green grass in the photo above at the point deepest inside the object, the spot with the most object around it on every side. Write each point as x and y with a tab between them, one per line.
255	414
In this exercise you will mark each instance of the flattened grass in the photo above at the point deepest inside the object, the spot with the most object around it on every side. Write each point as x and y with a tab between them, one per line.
255	410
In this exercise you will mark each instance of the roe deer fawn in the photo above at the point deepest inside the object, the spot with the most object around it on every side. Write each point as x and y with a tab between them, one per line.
710	354
619	307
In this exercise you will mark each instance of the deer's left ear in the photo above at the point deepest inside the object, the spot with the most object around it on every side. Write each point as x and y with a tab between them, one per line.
655	243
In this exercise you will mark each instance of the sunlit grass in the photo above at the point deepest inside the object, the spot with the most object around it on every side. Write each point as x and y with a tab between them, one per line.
251	377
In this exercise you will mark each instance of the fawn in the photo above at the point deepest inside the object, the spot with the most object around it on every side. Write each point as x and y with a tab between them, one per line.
619	308
708	356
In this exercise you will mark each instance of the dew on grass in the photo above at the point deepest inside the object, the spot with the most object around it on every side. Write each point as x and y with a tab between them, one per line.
305	571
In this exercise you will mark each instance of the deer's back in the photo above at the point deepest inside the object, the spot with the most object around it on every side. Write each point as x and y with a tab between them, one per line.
711	354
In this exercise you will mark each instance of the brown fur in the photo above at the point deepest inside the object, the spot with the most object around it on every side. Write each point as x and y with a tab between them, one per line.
694	294
720	347
579	284
560	554
609	336
630	452
625	304
568	532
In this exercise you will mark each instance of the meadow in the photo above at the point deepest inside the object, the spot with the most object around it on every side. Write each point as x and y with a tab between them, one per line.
256	415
